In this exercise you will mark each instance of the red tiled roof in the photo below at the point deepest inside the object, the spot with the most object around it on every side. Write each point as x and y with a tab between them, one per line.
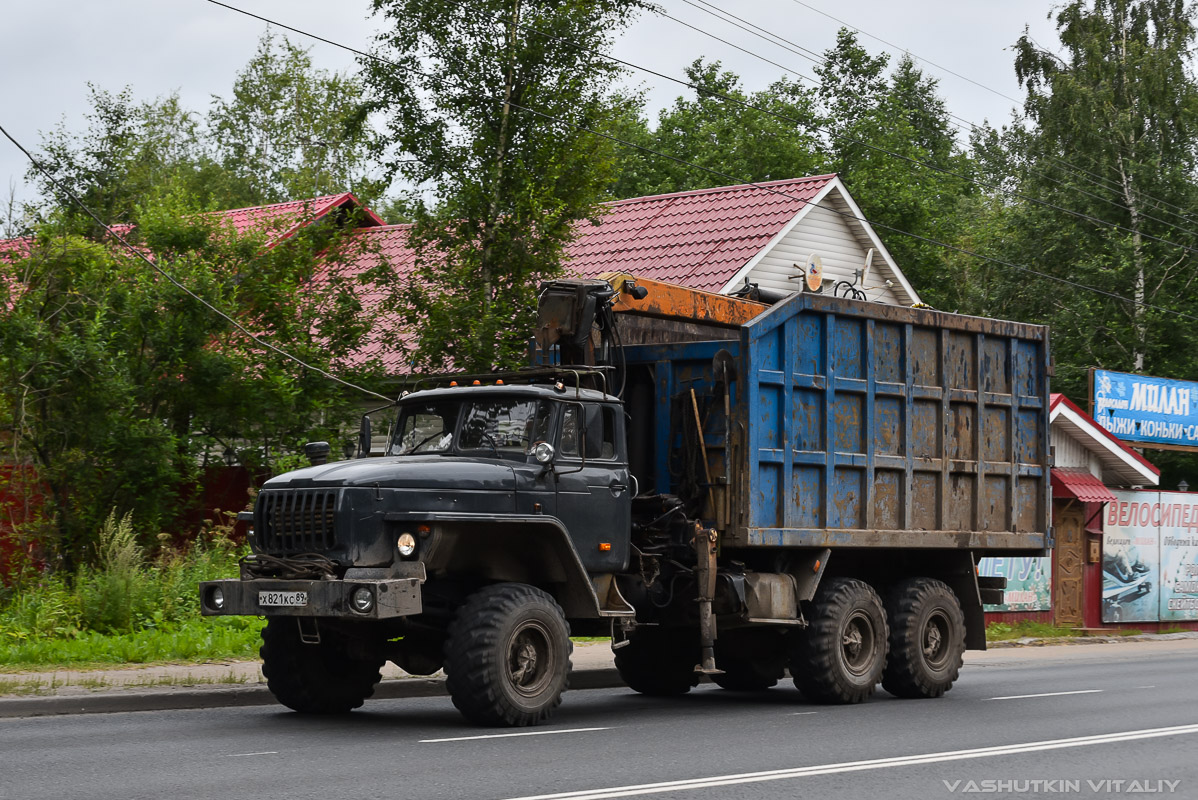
371	246
1081	484
697	239
289	217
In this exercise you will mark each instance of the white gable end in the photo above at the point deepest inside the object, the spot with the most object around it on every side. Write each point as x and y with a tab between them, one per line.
827	226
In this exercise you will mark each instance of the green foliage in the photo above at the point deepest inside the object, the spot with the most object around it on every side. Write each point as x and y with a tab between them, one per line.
721	135
126	608
289	131
118	388
292	131
1119	102
510	184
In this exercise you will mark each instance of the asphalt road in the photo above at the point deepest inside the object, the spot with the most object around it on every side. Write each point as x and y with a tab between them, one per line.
1119	713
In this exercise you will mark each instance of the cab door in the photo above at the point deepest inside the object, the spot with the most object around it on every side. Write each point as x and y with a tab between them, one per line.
594	485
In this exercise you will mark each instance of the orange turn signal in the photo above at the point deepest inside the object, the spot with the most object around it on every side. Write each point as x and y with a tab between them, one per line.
605	546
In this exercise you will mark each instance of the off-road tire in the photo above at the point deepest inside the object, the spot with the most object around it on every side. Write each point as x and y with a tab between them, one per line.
659	662
839	658
314	678
507	656
927	639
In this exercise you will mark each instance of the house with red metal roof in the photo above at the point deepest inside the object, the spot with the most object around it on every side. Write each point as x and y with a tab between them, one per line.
718	240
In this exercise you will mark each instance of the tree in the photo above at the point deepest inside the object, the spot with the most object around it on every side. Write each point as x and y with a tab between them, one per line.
724	135
292	131
486	107
289	132
891	141
118	388
1115	118
128	151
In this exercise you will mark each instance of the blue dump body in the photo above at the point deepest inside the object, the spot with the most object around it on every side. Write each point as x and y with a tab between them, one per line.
834	423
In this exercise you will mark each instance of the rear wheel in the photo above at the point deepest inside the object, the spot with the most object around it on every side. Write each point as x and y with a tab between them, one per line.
927	639
840	657
507	656
659	661
322	678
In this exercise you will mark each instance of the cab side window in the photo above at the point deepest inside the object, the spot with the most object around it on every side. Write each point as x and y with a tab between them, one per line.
591	426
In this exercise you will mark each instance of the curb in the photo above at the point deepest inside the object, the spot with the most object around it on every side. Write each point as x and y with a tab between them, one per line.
1033	641
117	701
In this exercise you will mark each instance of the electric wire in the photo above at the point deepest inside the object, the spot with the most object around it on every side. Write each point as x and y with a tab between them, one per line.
718	173
136	252
1106	183
774	39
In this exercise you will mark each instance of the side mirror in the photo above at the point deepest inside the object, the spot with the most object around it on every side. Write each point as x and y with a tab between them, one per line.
364	437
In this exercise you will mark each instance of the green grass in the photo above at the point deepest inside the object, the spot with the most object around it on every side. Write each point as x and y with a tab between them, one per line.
1002	631
124	608
197	640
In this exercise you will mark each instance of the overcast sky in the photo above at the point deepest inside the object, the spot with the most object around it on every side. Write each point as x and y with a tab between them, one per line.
53	48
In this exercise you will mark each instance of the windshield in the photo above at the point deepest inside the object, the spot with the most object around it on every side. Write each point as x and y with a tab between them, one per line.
503	426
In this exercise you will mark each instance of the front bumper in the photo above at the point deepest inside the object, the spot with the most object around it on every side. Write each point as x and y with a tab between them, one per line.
394	597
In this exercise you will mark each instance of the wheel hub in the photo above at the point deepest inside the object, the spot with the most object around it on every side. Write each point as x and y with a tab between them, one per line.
857	644
529	659
935	640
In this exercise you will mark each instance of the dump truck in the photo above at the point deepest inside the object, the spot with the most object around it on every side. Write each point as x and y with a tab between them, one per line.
727	488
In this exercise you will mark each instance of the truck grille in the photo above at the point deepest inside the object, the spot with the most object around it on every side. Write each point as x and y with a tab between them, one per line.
296	521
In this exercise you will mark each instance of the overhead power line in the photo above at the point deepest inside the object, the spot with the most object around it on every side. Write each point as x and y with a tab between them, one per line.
719	173
137	253
790	46
1094	179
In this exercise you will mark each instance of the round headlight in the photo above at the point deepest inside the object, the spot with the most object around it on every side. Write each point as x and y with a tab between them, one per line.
216	598
406	545
542	452
362	599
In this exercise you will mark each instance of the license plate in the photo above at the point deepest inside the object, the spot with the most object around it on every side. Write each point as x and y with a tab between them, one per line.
282	598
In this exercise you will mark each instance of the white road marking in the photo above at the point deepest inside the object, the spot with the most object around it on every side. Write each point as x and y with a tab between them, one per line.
1045	694
861	766
803	713
509	735
263	753
1145	687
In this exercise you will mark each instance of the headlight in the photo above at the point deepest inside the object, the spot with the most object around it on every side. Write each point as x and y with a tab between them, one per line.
542	452
362	600
216	598
406	545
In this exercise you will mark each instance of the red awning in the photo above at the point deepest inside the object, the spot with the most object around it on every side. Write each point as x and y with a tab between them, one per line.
1080	484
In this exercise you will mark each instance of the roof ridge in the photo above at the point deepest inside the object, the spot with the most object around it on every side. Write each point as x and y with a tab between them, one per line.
314	201
717	189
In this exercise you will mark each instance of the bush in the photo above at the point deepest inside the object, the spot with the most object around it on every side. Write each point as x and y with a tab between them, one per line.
125	607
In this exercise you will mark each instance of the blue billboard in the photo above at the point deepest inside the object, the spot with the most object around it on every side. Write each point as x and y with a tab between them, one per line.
1138	408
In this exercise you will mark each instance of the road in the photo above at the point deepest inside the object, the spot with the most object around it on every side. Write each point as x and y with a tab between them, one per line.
1052	721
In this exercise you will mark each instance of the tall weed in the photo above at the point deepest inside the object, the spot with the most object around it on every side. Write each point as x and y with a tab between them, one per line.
127	607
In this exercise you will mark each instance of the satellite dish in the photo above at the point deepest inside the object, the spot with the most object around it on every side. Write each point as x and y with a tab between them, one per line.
869	259
815	272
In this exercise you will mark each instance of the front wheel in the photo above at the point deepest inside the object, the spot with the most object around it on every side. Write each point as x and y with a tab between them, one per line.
841	655
316	678
507	657
927	639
